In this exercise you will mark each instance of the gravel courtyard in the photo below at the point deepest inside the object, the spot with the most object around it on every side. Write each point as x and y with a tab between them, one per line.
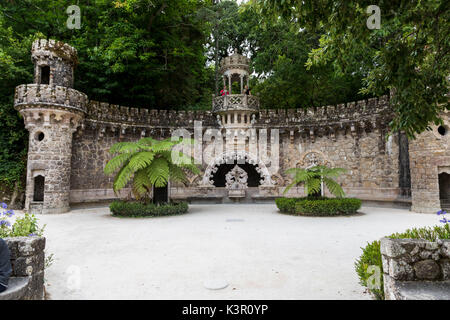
260	253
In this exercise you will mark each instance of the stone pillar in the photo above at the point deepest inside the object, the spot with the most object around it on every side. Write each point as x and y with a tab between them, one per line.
242	83
28	262
229	84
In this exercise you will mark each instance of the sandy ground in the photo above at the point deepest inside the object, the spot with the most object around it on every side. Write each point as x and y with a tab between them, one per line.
260	253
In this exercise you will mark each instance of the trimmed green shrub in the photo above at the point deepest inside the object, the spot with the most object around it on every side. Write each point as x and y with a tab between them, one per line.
320	206
327	207
139	209
286	205
371	256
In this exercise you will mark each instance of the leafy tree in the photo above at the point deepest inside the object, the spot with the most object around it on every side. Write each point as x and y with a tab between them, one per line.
313	178
148	163
409	54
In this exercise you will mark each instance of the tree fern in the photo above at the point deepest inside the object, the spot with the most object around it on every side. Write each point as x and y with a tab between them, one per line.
148	163
312	179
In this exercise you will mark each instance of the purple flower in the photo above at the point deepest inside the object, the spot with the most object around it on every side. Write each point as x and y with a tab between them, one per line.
32	235
9	213
4	206
444	220
441	212
5	223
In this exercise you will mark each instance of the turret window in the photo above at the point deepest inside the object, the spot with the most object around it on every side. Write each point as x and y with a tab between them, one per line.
39	183
45	75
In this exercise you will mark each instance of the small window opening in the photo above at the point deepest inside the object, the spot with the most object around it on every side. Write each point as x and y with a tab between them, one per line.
45	75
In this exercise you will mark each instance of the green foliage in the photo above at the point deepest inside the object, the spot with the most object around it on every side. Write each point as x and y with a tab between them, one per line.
148	163
327	207
319	206
27	225
286	205
426	233
139	209
409	54
313	178
371	256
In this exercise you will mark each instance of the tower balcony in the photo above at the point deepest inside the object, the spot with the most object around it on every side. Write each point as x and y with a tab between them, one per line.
235	102
49	96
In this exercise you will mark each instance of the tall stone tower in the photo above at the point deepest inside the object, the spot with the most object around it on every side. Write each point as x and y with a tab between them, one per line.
52	112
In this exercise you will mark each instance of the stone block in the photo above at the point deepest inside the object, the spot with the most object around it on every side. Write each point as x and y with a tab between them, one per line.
391	248
400	270
445	267
427	270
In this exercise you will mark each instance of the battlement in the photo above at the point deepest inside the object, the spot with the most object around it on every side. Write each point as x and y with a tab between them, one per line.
32	95
105	112
51	49
327	115
370	110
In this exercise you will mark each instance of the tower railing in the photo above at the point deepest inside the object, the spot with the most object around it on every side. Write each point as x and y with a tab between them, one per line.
235	102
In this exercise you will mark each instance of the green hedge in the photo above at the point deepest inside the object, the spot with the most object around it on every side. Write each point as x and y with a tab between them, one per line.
318	206
139	209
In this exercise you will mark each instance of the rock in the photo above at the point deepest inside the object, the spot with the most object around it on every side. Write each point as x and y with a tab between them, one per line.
427	270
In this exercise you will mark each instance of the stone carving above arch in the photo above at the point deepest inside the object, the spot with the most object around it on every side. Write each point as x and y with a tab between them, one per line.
314	158
230	157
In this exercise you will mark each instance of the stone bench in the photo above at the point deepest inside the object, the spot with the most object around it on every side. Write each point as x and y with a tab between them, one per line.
416	269
28	262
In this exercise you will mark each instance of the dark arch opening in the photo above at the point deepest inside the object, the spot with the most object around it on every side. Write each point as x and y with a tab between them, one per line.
161	195
444	190
39	184
442	130
254	177
45	75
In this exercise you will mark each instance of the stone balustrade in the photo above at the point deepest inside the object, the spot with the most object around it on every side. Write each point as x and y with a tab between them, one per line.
37	95
235	102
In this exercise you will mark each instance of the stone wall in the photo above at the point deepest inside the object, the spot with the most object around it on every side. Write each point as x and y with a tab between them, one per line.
406	261
429	157
352	136
28	263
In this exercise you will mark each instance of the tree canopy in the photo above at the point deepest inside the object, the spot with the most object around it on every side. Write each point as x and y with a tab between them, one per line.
163	54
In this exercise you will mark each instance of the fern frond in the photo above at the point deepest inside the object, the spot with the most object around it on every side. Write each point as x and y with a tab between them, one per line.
158	172
115	163
141	160
122	178
334	187
141	184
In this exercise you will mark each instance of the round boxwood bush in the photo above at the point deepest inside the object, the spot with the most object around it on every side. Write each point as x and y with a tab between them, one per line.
139	209
318	206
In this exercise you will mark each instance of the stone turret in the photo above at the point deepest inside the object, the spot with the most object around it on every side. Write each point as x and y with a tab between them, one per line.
235	110
52	112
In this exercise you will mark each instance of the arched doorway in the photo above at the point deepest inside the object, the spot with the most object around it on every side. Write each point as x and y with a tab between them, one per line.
444	190
254	177
39	185
161	194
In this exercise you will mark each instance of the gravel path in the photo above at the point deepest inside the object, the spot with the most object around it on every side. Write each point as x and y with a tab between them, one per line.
260	253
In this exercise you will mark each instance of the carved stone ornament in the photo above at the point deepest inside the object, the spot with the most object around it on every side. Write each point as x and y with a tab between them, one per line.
236	179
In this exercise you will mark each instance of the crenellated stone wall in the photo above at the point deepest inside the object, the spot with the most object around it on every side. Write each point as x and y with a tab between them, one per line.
430	158
352	136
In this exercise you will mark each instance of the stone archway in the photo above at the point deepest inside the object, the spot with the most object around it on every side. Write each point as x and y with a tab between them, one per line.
231	157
